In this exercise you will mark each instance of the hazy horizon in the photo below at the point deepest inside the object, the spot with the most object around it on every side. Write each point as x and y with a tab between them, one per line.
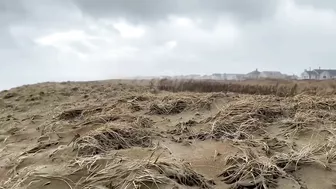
48	40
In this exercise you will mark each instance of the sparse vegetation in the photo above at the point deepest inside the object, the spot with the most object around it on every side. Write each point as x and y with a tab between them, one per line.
174	107
251	171
101	141
281	88
186	134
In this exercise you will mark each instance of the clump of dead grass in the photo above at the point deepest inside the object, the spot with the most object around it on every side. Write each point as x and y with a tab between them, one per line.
101	119
143	122
326	152
305	121
174	104
180	129
133	101
240	119
204	103
116	172
251	171
70	114
254	170
264	108
78	112
145	174
273	145
137	98
224	130
305	102
173	107
290	162
312	114
101	141
134	107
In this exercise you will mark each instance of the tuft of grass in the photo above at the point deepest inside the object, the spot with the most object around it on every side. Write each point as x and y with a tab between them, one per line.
143	122
251	171
102	141
78	112
174	107
240	119
116	172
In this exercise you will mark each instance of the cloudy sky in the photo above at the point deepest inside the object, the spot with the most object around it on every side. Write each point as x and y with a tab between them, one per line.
55	40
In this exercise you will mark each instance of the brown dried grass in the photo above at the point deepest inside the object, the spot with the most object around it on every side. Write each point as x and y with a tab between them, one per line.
162	108
172	104
252	170
143	122
251	115
281	88
78	112
116	172
103	140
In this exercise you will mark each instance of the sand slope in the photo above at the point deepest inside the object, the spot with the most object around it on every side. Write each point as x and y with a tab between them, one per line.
114	134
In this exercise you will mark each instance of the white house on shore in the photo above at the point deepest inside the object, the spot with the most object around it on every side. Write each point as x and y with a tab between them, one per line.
265	74
319	74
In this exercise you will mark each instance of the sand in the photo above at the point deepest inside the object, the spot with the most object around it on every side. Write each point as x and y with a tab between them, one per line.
127	134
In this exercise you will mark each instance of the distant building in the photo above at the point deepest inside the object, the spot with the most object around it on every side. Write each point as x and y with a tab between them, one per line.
237	77
272	75
265	74
309	75
217	76
319	74
327	74
253	75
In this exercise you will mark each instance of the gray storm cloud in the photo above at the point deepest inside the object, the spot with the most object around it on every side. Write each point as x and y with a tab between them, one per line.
156	10
48	40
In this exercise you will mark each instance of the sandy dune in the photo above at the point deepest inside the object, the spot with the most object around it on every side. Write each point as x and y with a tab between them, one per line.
117	134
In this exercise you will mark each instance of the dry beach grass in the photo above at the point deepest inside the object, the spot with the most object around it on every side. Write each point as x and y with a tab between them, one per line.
168	134
257	87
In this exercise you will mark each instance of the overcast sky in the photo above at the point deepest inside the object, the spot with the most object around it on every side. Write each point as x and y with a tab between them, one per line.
55	40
